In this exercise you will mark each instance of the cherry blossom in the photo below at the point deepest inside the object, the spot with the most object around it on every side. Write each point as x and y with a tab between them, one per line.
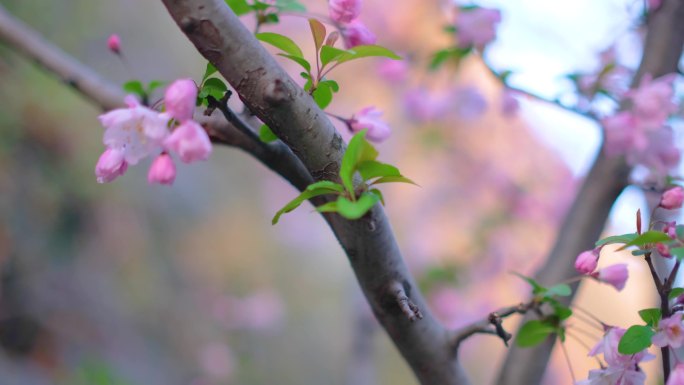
477	26
670	332
369	119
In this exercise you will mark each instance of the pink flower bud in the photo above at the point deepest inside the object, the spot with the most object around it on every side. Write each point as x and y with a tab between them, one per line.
190	142
114	43
663	250
615	275
586	262
162	170
671	229
180	98
344	11
110	166
672	198
356	33
369	119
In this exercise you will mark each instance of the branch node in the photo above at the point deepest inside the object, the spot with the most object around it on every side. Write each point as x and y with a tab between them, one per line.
406	306
275	93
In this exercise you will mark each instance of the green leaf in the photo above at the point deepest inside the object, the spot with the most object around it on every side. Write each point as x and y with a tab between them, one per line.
326	185
210	70
290	6
361	51
379	194
560	290
650	316
323	95
293	204
318	32
266	135
635	339
240	7
332	84
271	18
299	60
533	333
679	230
677	252
562	312
358	150
330	54
624	238
394	179
453	53
281	42
646	238
676	292
330	207
214	87
153	85
372	169
135	87
358	208
536	287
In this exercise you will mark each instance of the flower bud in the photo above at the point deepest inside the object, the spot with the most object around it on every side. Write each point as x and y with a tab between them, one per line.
162	170
180	98
672	198
663	250
356	33
190	142
110	166
114	43
586	262
615	275
344	11
369	119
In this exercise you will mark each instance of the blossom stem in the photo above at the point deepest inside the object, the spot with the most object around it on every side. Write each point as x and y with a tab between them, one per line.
567	360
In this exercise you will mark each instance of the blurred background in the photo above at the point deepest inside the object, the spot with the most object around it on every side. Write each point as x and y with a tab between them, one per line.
132	284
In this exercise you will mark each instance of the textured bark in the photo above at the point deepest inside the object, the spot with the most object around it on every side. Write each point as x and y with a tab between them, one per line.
607	178
294	117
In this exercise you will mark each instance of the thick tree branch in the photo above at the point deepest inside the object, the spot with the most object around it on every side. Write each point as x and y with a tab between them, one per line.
294	117
606	179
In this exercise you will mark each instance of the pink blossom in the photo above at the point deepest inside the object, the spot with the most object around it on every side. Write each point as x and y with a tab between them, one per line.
509	103
369	119
190	142
672	198
615	275
423	105
623	133
670	229
652	100
676	376
344	11
162	170
614	376
660	154
217	360
476	27
356	33
110	166
663	250
393	70
608	346
180	98
136	131
469	103
586	262
114	43
670	332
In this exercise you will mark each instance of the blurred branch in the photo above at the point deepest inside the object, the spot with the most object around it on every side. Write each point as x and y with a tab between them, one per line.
268	91
606	180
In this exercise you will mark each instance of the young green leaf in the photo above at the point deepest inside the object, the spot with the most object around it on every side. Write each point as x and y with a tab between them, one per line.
373	169
635	339
299	60
135	87
210	70
290	6
677	252
650	316
379	194
330	207
330	54
536	287
323	95
318	32
533	333
358	150
361	51
240	7
266	135
281	42
646	238
153	85
560	290
293	204
214	87
676	292
326	185
393	179
358	208
441	57
624	238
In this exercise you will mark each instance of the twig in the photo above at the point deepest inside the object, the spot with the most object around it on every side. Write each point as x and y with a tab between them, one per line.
492	324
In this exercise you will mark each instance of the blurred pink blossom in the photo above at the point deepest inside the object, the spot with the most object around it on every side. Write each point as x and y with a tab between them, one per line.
369	119
110	166
261	311
344	11
423	105
672	198
469	103
114	43
356	33
476	27
670	332
676	376
614	275
190	142
393	70
217	360
180	98
663	250
652	100
509	102
162	170
671	229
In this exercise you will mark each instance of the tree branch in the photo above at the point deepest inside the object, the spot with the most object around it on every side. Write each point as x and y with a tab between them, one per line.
605	181
292	115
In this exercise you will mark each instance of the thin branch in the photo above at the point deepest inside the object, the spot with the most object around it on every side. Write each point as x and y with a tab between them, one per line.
492	324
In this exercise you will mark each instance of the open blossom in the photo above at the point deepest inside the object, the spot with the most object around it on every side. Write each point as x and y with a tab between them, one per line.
476	27
614	376
652	100
110	166
190	142
114	43
344	11
162	170
369	119
676	376
615	275
586	261
136	131
179	99
672	198
393	70
423	105
356	33
670	332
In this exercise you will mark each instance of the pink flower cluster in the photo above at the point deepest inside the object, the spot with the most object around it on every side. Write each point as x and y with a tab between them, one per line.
465	102
614	275
670	332
621	369
476	27
641	133
137	132
354	32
